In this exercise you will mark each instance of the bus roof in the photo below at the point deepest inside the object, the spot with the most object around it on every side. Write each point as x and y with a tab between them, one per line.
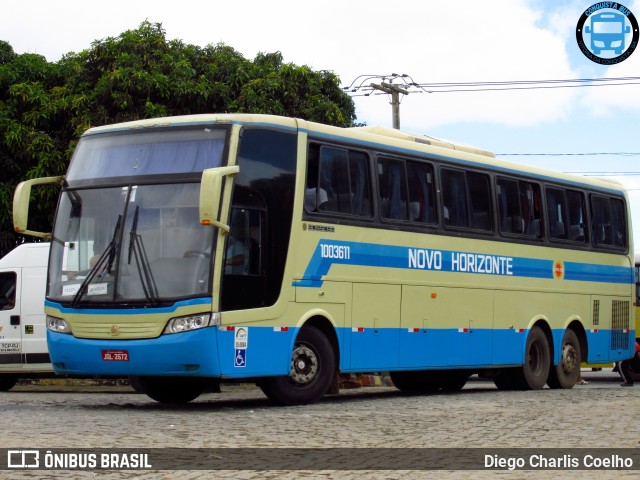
380	137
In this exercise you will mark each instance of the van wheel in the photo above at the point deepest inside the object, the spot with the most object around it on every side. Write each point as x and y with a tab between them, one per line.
567	372
171	389
537	359
7	382
313	368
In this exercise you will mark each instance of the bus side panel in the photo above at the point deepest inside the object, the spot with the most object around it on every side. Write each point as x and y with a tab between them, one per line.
374	332
255	351
445	327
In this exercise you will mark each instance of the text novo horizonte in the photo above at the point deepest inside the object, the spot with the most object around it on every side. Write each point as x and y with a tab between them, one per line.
425	259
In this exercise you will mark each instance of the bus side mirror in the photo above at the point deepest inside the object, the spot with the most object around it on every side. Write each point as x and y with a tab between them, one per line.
21	199
211	188
587	29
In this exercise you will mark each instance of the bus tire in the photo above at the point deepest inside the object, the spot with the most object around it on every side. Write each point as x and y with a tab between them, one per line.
534	372
176	390
7	382
313	369
415	381
566	373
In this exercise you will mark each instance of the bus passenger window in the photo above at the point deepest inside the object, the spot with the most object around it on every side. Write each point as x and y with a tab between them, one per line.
556	214
508	207
454	198
576	214
519	208
609	224
421	193
479	201
337	181
393	189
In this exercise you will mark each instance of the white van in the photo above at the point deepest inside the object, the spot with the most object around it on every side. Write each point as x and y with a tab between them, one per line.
23	331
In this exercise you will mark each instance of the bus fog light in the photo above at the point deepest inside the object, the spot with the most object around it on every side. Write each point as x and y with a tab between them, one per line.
188	323
57	325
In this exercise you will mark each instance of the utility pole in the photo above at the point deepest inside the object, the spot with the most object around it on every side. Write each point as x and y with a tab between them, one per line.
394	91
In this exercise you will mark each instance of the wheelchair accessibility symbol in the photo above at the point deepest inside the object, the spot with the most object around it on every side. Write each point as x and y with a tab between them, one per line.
240	358
240	345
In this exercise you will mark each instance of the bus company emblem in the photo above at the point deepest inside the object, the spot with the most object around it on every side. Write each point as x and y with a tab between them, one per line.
607	33
558	270
115	330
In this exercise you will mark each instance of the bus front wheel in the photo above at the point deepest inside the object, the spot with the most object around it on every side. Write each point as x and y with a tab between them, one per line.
313	368
567	372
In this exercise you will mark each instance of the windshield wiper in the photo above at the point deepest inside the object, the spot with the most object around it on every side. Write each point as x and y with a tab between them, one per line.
105	262
137	250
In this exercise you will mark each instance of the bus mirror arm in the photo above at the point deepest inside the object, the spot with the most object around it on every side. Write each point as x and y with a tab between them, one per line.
211	188
21	199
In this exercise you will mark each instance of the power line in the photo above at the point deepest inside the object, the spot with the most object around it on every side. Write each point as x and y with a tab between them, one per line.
585	154
362	86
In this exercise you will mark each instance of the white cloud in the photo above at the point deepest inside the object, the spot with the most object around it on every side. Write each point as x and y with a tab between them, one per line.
479	41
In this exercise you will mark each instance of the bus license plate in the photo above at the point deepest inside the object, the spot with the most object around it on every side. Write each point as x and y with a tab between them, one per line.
115	355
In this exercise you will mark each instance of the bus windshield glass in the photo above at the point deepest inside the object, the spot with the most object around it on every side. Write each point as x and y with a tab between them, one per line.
166	151
132	235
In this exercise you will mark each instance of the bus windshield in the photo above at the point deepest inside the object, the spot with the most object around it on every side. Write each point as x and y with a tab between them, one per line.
167	151
129	239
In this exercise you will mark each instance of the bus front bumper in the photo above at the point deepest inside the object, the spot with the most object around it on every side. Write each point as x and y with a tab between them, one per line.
182	354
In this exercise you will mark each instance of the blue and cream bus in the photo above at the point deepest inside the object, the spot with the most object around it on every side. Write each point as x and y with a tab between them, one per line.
192	250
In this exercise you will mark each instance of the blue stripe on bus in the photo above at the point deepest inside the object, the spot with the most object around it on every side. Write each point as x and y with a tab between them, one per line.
130	311
213	351
330	252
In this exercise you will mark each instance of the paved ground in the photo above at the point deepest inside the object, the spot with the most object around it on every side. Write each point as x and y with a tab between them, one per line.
600	414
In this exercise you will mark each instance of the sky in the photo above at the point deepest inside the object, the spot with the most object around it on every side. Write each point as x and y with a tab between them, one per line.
430	41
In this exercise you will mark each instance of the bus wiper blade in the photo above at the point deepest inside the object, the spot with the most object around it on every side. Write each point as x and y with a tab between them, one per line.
105	262
137	250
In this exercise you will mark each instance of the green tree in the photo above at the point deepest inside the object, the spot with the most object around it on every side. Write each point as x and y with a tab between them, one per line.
33	137
45	107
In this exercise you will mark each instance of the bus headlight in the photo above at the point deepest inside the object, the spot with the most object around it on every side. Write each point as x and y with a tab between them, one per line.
57	325
190	322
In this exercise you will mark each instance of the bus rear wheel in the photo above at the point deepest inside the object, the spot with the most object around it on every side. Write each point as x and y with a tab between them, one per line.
534	373
313	368
175	390
566	373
